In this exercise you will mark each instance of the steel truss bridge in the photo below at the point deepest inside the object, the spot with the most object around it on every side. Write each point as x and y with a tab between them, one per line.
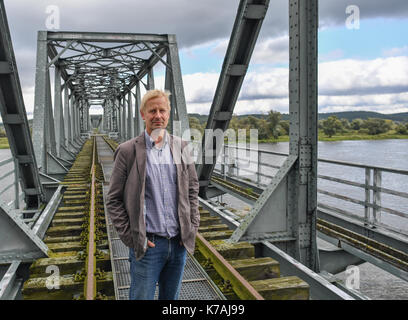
56	240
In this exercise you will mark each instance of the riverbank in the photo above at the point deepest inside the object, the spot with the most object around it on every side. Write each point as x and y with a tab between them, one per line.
344	137
347	136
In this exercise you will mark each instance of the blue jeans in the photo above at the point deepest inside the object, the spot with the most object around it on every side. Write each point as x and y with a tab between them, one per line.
163	264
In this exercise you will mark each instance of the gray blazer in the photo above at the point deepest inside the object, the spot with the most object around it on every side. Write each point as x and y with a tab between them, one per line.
125	198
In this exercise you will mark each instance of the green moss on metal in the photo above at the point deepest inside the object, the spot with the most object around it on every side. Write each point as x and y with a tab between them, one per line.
285	288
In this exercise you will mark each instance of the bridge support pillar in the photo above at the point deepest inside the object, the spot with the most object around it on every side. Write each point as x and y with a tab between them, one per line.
130	122
123	119
139	124
287	209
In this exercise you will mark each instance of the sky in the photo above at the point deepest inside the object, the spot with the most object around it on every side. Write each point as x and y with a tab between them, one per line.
363	49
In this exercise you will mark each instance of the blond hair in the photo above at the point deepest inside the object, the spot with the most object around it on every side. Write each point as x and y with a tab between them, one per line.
151	94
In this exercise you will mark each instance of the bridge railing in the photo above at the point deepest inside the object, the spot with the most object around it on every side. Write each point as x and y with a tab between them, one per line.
334	190
5	184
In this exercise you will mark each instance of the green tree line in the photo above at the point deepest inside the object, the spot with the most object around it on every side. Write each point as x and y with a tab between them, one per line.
371	126
272	126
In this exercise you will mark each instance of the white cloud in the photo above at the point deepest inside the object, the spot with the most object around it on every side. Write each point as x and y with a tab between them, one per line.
343	83
378	85
272	50
332	55
378	76
266	51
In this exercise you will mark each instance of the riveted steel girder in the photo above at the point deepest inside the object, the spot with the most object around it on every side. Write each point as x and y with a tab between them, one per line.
289	204
14	118
248	22
103	68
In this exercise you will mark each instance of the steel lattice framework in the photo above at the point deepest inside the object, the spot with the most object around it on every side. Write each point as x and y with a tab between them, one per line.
105	69
96	73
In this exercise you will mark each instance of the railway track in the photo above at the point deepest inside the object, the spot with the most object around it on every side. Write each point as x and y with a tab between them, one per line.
78	266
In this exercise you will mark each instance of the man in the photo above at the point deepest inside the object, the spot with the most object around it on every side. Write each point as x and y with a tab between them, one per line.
153	202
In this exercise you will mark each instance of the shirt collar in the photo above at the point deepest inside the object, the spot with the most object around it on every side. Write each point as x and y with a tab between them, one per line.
150	141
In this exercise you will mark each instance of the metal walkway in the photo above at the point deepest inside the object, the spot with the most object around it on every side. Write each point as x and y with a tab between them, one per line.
196	285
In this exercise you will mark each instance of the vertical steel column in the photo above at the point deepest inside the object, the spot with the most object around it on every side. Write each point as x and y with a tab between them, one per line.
109	115
73	118
303	24
51	143
40	103
130	121
16	184
102	125
77	118
106	115
104	122
123	123
83	116
89	117
80	116
168	85
367	196
86	116
115	115
292	194
59	117
150	79
118	115
67	117
377	179
139	124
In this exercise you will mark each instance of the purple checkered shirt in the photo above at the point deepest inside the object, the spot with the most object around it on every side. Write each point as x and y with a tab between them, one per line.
161	190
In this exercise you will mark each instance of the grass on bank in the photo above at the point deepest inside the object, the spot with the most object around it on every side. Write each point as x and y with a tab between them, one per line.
346	136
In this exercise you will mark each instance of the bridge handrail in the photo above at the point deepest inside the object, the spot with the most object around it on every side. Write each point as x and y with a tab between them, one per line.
370	204
351	164
17	199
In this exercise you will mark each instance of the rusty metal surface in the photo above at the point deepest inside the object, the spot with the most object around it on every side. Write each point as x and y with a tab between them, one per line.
241	286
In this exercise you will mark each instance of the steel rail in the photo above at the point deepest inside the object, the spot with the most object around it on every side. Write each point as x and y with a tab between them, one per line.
90	282
242	287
